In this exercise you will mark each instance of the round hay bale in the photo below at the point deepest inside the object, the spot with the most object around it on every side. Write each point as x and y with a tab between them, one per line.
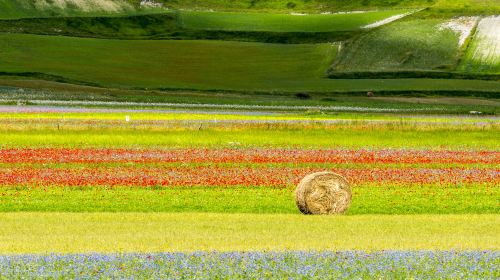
323	193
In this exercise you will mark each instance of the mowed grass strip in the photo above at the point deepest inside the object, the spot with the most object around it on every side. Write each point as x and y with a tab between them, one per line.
368	199
381	137
155	232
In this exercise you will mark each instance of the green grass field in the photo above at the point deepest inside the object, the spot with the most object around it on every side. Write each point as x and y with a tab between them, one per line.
281	22
140	232
407	45
387	136
226	66
198	25
207	65
174	64
327	5
483	56
369	199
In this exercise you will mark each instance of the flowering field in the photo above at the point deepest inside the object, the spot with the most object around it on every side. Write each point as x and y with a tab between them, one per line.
153	139
270	167
166	182
258	265
242	162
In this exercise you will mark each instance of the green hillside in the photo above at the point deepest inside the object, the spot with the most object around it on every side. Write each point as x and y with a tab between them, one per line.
264	27
10	9
44	8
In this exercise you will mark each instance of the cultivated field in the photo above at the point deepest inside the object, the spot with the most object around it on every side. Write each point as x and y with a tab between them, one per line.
209	65
165	139
225	182
168	64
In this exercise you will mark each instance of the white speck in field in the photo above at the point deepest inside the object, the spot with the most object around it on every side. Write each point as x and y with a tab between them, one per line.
388	20
127	118
462	26
150	4
344	12
298	14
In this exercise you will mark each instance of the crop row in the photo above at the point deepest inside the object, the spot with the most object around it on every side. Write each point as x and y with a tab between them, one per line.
333	156
258	265
236	176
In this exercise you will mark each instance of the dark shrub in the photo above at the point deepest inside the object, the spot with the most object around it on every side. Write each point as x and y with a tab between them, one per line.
303	95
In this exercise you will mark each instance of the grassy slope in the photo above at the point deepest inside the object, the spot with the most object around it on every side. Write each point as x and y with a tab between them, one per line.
198	65
160	25
10	9
393	200
132	232
24	8
486	7
263	27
